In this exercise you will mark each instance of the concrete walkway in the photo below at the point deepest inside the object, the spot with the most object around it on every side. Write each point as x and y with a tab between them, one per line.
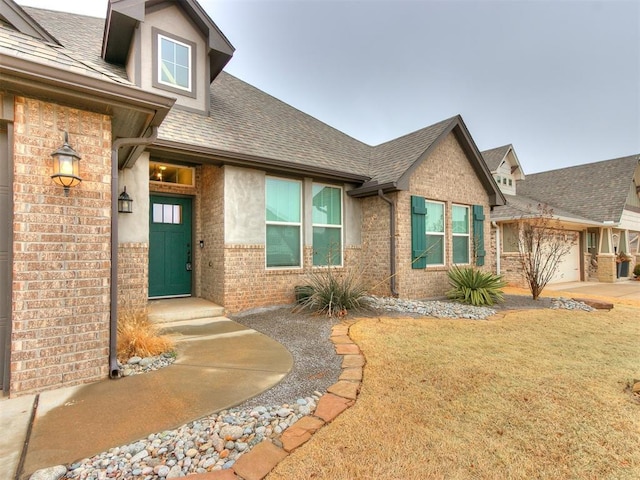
624	289
220	364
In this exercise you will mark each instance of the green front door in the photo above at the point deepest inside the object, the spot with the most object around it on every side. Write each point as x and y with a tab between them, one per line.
170	246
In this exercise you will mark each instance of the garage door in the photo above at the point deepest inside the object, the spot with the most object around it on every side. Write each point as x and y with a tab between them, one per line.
569	268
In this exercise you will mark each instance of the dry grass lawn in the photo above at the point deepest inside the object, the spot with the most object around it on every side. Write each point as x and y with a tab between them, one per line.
534	394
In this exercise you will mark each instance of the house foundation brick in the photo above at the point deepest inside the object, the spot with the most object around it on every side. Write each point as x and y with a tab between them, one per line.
61	244
133	278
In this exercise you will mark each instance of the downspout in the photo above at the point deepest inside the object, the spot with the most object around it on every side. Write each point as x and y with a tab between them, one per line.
114	370
392	235
495	225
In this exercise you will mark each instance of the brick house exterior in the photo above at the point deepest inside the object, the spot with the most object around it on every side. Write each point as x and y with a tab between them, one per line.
597	227
237	197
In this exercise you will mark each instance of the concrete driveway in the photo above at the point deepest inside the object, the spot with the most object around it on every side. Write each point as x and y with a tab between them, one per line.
625	289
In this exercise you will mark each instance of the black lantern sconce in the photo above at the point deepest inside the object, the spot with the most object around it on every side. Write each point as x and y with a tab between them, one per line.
66	166
125	202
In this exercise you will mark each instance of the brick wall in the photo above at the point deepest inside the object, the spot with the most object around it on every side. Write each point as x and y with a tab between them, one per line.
210	228
61	245
133	277
248	284
446	175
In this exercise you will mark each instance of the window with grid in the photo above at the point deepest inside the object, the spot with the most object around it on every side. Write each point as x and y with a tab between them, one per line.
435	249
283	222
174	63
460	234
327	225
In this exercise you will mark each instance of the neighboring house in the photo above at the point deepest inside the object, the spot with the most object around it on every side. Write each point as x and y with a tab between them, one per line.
237	196
597	207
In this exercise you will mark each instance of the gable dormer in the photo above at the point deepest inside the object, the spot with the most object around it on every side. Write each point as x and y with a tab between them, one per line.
505	167
167	47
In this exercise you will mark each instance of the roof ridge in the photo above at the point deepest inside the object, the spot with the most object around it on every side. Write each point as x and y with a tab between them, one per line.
419	130
587	165
26	8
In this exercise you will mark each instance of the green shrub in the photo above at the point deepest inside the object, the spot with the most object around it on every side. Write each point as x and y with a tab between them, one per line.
636	270
331	293
475	286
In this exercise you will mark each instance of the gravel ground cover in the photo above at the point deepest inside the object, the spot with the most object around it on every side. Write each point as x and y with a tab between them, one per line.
197	447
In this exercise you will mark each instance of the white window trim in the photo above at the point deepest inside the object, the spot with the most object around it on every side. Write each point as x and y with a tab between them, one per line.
271	222
341	227
468	234
443	233
160	37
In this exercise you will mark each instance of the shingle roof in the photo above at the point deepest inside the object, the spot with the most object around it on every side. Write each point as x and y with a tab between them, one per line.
248	121
392	159
519	206
19	45
597	191
494	156
86	42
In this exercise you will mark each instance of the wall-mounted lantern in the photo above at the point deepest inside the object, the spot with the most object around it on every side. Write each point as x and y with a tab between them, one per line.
66	163
125	202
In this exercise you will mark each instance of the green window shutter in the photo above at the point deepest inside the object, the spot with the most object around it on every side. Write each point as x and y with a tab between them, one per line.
418	233
478	234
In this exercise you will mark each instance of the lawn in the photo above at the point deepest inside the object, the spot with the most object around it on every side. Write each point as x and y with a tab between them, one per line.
534	394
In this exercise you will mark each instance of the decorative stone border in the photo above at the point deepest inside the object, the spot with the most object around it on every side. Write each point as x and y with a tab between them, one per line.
257	463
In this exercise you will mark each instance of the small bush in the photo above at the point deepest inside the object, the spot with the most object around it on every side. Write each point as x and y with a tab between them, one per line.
636	270
332	294
475	286
138	337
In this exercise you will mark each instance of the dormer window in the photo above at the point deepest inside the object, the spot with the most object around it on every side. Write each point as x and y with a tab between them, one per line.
174	63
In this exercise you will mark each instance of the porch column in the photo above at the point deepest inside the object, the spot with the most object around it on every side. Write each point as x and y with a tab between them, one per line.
607	268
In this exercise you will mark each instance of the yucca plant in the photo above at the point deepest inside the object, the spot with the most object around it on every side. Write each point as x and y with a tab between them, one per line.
475	287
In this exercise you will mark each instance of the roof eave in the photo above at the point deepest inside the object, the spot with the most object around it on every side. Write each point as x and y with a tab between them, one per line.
371	189
136	108
196	153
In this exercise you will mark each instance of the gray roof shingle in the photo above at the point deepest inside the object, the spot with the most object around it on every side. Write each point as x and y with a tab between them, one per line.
519	206
79	33
494	156
392	159
597	191
246	121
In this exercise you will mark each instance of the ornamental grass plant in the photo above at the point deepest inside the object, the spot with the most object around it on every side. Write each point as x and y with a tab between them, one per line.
138	337
332	293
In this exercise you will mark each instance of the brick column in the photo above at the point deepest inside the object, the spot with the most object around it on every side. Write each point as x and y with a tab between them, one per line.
61	245
607	267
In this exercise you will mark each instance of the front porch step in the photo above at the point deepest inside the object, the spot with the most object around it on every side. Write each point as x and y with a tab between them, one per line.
179	309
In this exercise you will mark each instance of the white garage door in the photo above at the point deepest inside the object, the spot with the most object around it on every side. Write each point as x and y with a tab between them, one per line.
569	268
4	252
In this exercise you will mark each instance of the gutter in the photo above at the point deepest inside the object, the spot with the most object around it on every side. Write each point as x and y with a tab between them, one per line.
392	239
114	370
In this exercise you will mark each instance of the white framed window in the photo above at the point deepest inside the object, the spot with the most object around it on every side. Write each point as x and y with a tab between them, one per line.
434	223
460	228
326	217
283	215
174	63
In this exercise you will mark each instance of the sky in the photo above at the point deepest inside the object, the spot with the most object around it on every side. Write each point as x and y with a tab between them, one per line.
558	79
